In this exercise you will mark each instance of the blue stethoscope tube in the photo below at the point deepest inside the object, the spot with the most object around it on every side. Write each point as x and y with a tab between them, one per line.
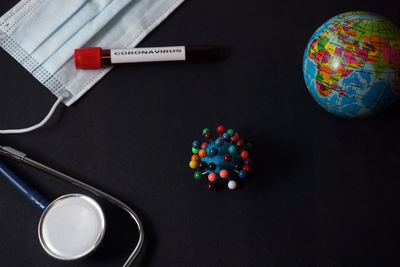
37	200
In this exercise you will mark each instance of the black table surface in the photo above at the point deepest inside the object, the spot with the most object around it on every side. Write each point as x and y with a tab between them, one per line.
323	192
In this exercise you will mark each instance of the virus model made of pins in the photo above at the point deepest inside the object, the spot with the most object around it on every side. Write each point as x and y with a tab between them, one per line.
226	158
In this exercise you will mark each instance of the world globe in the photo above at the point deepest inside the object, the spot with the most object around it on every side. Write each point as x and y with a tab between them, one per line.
351	64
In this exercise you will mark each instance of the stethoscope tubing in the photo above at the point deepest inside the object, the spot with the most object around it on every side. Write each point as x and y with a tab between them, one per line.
37	200
21	157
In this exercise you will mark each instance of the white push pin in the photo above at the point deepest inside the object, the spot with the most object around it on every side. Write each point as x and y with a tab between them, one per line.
232	185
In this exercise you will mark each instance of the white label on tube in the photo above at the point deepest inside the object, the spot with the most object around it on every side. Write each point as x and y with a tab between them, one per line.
148	54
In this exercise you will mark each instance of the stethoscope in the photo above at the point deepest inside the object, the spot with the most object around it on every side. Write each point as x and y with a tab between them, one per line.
73	225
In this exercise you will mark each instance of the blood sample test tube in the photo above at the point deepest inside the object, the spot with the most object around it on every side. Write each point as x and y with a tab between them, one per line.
96	57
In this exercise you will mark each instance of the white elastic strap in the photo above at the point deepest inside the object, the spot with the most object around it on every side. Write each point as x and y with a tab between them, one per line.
40	124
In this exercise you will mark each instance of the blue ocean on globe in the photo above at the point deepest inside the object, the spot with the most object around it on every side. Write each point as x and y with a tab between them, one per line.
351	64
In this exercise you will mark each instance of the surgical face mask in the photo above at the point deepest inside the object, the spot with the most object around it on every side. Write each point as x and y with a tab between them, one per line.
42	35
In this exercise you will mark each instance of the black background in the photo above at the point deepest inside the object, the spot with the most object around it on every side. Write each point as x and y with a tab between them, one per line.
324	191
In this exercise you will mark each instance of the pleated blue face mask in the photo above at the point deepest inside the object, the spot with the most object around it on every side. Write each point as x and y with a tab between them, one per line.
42	35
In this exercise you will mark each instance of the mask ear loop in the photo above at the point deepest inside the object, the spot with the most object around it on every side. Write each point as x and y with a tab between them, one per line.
40	124
21	157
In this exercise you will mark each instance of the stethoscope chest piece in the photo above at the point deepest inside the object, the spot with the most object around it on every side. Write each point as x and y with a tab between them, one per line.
71	227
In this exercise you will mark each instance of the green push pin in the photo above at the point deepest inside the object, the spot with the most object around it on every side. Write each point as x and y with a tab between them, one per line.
248	146
206	130
195	150
197	175
231	132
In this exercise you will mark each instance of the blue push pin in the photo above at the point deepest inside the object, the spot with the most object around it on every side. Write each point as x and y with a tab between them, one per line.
196	144
219	142
226	137
213	152
242	174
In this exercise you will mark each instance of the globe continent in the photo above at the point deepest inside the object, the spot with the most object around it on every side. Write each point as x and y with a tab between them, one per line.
351	64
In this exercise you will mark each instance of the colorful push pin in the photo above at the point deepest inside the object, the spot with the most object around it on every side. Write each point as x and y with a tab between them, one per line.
232	185
211	186
213	152
248	146
235	137
226	137
242	174
204	145
231	132
226	159
223	174
232	149
195	157
206	130
196	144
208	135
197	175
212	166
219	142
212	177
244	154
193	164
220	129
246	168
202	165
240	144
248	162
202	153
